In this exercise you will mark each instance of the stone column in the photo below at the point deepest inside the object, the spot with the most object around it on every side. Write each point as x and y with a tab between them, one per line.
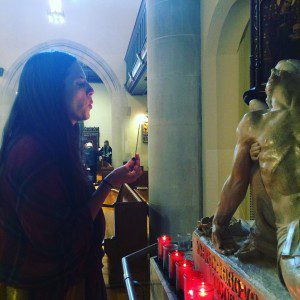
173	42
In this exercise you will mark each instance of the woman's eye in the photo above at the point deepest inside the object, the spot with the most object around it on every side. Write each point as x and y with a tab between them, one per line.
81	84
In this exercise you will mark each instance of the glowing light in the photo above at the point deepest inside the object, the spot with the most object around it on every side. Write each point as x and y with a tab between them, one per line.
191	293
56	18
184	265
142	119
55	6
56	14
202	292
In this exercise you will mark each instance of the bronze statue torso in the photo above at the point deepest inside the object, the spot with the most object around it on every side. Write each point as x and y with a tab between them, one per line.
278	133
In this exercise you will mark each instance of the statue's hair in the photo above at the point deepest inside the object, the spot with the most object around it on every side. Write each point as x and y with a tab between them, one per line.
290	75
291	66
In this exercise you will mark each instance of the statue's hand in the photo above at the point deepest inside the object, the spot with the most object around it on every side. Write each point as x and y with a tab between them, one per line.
222	240
254	151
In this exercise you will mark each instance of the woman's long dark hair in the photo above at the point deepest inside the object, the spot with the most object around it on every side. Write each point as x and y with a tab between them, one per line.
39	110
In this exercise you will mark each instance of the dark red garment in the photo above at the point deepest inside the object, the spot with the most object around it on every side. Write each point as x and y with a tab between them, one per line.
46	237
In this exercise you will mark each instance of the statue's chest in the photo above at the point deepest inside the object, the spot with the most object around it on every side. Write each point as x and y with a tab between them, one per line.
280	156
279	148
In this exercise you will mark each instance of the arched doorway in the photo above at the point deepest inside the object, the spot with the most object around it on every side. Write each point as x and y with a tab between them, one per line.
92	60
225	73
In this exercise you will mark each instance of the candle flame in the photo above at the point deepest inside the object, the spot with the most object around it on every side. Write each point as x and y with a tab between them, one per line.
191	293
202	292
164	237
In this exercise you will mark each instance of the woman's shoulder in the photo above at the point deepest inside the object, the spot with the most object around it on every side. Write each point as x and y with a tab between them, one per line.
25	147
27	152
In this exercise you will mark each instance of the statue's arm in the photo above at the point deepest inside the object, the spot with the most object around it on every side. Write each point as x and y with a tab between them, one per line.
235	187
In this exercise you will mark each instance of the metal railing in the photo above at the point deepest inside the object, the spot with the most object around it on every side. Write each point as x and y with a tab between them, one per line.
129	281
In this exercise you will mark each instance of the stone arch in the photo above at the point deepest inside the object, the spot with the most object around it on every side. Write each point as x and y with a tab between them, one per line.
91	59
221	94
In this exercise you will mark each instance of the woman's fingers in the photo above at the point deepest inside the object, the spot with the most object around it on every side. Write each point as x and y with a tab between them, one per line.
133	163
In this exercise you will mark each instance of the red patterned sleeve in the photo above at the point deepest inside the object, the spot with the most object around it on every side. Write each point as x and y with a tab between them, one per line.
60	235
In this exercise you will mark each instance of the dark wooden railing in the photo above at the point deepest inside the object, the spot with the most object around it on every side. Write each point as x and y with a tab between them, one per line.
130	232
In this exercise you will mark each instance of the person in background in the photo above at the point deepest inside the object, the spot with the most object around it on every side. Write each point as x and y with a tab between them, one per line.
90	160
106	153
51	219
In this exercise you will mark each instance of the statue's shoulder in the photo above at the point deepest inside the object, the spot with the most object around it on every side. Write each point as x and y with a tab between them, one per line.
254	117
250	123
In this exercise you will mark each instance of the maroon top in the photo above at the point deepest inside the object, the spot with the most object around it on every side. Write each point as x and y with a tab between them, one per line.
44	237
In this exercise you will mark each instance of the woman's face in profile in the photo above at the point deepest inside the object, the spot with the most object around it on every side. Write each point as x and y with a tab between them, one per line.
78	94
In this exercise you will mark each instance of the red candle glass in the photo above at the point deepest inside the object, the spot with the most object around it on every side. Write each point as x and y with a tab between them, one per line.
200	292
174	256
192	279
182	267
162	241
166	250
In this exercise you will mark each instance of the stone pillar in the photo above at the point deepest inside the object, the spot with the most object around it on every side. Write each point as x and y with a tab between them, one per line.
173	43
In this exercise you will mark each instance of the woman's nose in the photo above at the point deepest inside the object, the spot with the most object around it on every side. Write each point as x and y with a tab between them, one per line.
89	90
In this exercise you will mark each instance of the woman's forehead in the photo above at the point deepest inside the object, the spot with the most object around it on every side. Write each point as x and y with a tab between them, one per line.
75	71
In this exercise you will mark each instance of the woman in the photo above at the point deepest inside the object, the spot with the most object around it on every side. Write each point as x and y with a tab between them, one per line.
51	221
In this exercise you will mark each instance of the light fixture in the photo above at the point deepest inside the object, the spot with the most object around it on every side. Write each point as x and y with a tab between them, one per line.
142	118
56	14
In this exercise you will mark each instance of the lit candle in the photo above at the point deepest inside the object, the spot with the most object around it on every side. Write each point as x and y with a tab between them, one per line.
174	256
199	292
162	241
192	279
166	250
182	267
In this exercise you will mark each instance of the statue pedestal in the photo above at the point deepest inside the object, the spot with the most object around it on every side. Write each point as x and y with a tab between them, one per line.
233	279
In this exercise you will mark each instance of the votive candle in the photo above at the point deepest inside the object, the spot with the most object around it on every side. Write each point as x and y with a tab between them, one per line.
166	250
182	267
203	291
174	256
162	241
192	279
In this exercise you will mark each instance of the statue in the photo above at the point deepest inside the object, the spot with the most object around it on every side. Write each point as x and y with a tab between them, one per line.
275	181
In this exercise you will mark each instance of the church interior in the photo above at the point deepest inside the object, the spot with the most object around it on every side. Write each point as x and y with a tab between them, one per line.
172	80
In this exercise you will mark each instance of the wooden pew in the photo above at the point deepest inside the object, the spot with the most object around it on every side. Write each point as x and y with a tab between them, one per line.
142	181
130	235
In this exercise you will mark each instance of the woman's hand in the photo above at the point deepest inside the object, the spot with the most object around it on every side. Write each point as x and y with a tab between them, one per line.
254	151
128	173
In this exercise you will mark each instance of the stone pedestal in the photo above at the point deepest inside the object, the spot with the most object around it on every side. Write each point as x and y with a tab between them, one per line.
233	279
